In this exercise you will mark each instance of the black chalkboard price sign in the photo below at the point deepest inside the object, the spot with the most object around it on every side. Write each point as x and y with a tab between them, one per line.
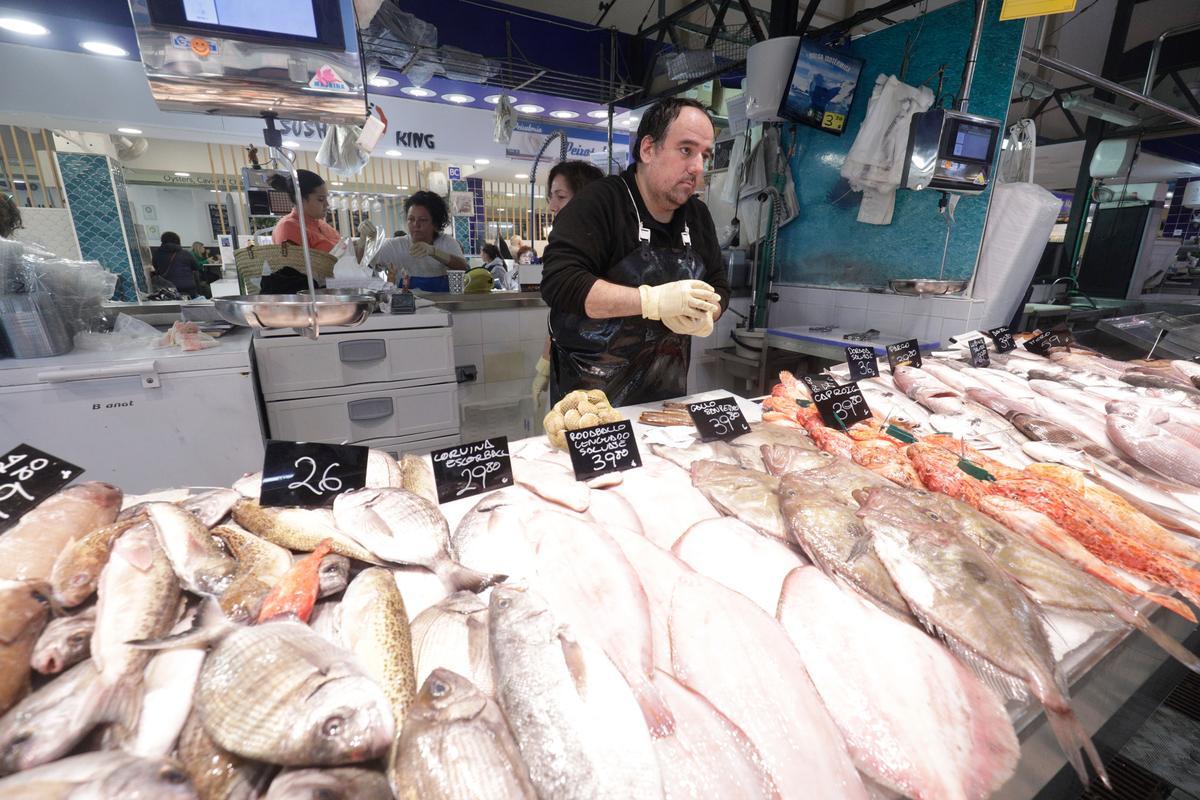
863	362
471	469
310	474
842	407
818	383
718	419
1003	339
603	448
904	353
979	353
1044	341
27	477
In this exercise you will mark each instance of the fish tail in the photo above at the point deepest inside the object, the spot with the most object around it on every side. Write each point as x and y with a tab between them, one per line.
457	577
1157	635
659	718
208	626
1075	743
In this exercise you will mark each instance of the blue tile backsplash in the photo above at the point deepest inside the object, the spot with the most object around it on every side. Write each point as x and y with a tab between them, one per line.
98	224
826	245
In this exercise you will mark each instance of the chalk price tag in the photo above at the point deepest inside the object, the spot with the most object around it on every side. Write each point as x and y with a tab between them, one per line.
842	407
718	419
1044	341
310	474
1003	339
863	362
603	448
404	303
905	353
818	383
27	477
471	469
979	353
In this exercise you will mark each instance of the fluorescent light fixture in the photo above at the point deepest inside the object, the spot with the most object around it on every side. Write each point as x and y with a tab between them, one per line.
338	183
104	49
383	82
183	174
1032	88
510	194
482	161
402	188
522	176
564	114
417	91
291	144
22	26
598	114
394	153
454	97
1101	110
495	98
130	131
529	108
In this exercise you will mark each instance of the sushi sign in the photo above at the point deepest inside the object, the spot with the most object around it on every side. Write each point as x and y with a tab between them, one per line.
842	407
27	477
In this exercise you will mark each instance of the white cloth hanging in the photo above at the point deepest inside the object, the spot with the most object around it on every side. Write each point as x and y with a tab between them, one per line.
875	162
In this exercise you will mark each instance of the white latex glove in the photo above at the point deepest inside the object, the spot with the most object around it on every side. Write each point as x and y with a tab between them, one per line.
689	325
541	381
421	249
677	298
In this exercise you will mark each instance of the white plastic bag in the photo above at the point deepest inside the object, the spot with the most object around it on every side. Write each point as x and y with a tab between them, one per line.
339	150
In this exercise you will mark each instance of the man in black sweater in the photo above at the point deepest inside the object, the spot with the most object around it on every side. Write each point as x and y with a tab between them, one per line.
633	267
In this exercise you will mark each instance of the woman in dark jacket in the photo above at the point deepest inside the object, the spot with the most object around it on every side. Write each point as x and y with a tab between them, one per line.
176	265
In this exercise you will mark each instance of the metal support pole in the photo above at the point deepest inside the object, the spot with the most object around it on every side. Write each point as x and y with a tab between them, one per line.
783	17
968	76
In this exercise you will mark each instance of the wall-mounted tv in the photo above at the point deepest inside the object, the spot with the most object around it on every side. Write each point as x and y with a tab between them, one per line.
821	88
317	23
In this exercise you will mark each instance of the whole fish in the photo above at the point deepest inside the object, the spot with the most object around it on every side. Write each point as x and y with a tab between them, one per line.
64	643
417	476
1156	449
280	693
299	529
1187	369
923	727
168	689
377	633
77	569
928	390
338	783
842	478
454	634
552	482
1158	382
260	565
102	774
29	548
664	500
202	566
296	592
47	724
960	594
217	773
24	611
383	470
684	457
451	717
402	528
1160	415
747	494
333	575
420	589
782	459
578	726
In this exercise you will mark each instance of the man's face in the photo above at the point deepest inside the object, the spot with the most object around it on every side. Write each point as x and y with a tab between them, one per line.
673	167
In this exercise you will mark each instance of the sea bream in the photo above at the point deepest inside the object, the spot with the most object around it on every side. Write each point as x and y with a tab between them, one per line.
102	774
334	783
65	642
454	634
1156	449
29	548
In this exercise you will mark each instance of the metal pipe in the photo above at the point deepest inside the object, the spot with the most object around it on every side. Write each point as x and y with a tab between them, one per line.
1152	67
1103	83
968	75
562	136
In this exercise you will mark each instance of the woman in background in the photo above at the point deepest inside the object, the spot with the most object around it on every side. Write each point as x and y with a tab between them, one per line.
492	262
174	264
314	196
426	253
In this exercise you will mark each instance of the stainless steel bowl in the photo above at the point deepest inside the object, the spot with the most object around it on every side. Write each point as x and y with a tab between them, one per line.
919	286
379	295
293	310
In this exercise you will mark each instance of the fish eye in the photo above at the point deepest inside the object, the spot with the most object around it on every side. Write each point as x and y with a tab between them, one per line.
440	689
20	739
333	727
173	776
503	602
325	793
77	638
933	516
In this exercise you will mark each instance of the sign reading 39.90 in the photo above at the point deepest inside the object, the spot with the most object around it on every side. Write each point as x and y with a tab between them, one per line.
842	407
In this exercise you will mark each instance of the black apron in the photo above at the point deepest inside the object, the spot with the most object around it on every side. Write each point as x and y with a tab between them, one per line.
633	359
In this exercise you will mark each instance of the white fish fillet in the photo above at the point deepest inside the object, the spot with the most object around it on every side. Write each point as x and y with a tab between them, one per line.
665	501
658	571
551	482
736	556
737	656
915	719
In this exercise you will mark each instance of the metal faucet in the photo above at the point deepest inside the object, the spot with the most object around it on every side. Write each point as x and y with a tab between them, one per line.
1071	279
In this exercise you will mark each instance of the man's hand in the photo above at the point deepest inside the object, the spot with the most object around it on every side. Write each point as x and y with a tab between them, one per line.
690	325
691	297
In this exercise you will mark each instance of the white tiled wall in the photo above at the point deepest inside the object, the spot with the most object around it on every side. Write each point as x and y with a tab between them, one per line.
921	317
50	228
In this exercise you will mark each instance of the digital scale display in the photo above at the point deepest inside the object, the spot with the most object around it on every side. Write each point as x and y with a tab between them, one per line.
972	141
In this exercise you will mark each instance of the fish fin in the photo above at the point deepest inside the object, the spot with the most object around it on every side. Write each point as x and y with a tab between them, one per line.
659	718
862	546
576	664
457	577
999	681
1073	738
209	625
1156	634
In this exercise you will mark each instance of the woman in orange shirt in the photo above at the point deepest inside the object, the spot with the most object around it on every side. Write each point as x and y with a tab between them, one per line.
315	195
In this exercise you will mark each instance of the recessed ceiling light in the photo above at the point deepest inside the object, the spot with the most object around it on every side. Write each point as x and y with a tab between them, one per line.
402	188
338	183
23	26
183	174
564	114
529	108
482	161
383	82
495	98
521	176
130	131
454	97
509	194
104	49
291	144
417	91
598	114
394	153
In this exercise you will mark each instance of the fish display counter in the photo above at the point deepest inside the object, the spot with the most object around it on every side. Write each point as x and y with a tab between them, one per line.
762	601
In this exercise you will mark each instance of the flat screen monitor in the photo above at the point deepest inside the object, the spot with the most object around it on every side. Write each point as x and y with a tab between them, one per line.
972	142
821	88
317	23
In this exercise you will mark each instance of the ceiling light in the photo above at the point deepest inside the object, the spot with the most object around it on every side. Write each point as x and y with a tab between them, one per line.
564	114
291	144
529	108
598	114
1101	110
521	176
382	82
510	194
22	26
495	98
130	131
394	153
417	91
482	161
104	49
402	188
338	183
183	174
454	97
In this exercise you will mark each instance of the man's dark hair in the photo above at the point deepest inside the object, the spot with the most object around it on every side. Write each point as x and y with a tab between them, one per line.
10	216
170	237
577	174
309	183
658	119
432	203
490	251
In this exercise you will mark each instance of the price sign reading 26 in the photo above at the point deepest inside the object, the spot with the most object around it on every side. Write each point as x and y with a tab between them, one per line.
310	474
328	483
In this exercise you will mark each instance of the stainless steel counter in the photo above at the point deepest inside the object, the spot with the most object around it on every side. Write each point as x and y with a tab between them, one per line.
483	301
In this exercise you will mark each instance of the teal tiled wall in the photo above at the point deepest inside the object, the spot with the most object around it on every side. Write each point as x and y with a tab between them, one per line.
101	228
826	245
